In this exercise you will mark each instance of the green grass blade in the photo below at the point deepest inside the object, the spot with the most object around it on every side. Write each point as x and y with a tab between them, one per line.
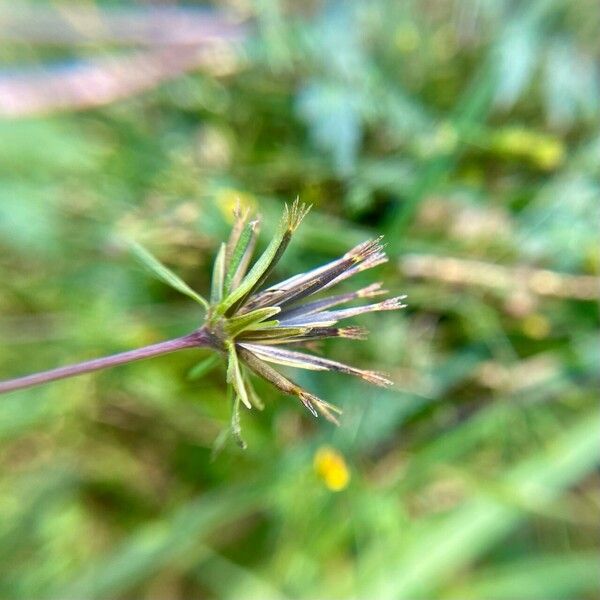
438	552
158	544
545	576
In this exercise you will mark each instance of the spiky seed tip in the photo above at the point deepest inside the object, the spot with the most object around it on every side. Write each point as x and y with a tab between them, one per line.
379	258
307	399
371	291
393	303
325	408
376	378
294	215
353	333
364	251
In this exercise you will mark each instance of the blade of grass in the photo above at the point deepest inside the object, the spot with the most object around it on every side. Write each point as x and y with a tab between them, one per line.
543	576
441	549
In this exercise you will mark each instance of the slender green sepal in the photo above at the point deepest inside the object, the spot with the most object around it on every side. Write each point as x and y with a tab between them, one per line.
236	429
270	324
234	375
237	254
236	325
247	256
273	333
218	276
269	258
165	274
239	221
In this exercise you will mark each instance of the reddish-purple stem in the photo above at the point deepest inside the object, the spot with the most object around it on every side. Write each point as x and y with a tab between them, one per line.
196	339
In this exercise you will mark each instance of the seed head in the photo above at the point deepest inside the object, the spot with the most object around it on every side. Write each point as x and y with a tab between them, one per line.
252	326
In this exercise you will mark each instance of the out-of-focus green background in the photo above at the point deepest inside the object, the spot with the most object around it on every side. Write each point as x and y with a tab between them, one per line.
468	133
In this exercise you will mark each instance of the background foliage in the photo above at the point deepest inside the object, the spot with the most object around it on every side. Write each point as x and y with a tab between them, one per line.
465	131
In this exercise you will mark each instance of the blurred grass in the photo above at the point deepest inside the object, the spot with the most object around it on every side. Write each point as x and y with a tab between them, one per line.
467	130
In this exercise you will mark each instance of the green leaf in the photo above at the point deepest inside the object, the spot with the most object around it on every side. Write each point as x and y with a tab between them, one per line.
218	276
165	274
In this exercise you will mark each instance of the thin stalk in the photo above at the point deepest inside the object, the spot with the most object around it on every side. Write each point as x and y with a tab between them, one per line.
198	338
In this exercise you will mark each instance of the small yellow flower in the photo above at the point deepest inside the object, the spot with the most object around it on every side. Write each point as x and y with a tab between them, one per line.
331	467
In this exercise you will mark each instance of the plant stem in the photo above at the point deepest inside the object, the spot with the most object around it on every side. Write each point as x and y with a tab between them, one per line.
198	338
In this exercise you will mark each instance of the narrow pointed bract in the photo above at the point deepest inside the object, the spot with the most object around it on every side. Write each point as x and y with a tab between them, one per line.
292	218
165	274
218	276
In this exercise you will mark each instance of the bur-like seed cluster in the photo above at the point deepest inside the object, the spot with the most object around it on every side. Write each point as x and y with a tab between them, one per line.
251	325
